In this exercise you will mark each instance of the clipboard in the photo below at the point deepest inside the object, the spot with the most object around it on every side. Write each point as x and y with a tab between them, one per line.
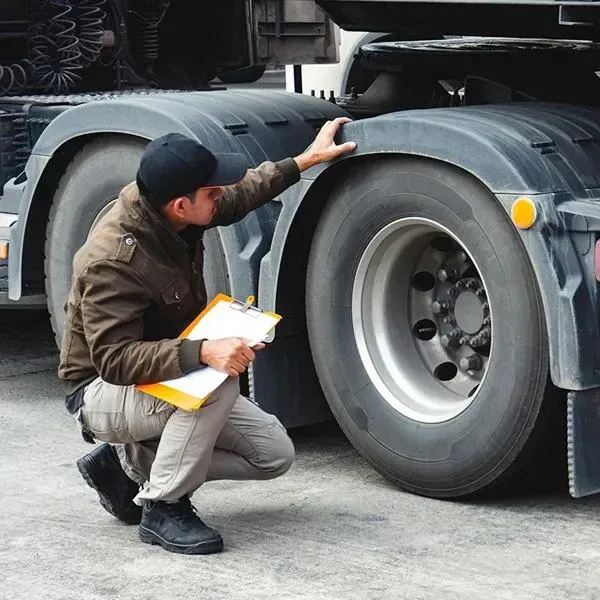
223	317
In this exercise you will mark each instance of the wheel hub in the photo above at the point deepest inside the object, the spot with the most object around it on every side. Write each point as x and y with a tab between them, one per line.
464	308
428	355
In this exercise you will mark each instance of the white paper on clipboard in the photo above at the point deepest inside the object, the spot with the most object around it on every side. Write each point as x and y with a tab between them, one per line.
223	317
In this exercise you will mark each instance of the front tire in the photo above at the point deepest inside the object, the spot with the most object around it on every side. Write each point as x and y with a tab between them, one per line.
438	379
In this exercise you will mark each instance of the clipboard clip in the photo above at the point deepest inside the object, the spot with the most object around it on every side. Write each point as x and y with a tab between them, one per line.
246	307
247	304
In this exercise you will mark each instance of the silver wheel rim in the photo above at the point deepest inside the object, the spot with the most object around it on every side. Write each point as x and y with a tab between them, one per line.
421	320
100	215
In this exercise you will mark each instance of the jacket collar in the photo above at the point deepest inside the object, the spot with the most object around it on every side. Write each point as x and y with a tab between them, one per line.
150	220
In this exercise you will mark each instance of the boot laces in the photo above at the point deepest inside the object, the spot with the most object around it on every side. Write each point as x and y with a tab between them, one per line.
183	512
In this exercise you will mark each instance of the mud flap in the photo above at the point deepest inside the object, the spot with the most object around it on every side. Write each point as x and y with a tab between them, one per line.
583	442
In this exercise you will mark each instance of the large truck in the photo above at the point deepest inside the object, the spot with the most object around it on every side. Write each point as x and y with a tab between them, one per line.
439	286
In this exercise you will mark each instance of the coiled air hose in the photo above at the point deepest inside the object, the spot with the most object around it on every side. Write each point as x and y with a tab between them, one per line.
64	38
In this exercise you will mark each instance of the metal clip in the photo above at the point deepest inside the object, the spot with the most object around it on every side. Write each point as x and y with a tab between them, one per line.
247	304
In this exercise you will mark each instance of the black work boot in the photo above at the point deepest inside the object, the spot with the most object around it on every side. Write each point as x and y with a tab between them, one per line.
177	528
102	471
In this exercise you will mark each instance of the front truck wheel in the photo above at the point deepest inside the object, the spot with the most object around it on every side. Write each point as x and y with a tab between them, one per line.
427	330
87	190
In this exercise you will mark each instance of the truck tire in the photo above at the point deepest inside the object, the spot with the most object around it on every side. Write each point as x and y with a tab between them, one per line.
89	186
427	331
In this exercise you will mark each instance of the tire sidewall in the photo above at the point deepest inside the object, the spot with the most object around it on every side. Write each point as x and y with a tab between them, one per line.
475	446
95	177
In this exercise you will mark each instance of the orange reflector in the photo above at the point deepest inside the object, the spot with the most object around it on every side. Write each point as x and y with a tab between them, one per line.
3	250
523	213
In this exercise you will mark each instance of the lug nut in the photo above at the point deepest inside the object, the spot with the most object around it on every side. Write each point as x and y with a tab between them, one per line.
452	292
448	342
485	306
439	306
470	284
450	339
472	362
487	321
485	335
463	340
480	292
447	274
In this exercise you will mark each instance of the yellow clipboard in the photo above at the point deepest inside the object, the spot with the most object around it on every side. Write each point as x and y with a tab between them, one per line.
223	317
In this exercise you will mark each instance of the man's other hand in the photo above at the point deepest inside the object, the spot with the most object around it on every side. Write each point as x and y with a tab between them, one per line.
229	355
324	147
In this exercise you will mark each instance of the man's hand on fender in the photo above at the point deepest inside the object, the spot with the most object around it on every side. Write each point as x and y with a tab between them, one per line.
324	147
229	355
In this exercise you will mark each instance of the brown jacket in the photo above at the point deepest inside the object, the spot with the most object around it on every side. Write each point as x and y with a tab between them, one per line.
137	284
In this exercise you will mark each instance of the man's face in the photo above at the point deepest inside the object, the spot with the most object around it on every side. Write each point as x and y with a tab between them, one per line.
183	211
205	205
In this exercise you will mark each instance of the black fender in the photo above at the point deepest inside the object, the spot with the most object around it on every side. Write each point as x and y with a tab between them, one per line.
547	152
265	125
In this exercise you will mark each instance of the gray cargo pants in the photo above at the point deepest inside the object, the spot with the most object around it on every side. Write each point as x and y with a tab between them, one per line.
172	452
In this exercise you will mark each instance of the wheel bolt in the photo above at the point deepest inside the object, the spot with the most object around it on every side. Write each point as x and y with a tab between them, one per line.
480	293
472	362
463	340
447	274
487	321
470	284
485	306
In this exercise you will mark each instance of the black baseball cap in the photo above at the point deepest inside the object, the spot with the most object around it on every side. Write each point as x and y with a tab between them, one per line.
174	165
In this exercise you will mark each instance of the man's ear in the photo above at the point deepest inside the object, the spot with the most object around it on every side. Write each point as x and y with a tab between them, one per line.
179	205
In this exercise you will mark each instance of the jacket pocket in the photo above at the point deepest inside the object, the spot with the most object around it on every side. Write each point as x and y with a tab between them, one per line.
176	296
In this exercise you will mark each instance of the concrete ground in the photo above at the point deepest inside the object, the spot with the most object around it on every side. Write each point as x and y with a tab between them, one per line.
330	529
